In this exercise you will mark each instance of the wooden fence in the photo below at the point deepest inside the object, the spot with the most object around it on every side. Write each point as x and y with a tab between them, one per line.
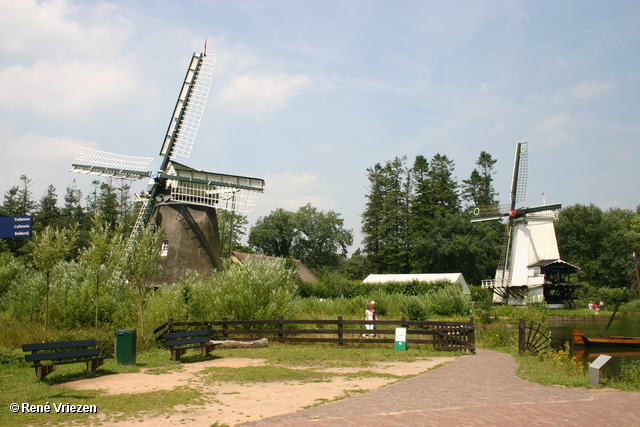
451	336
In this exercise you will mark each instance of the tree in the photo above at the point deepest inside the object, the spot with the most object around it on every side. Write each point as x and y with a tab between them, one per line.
47	249
72	210
142	265
227	221
26	204
454	244
273	235
48	212
125	208
320	238
107	203
18	200
100	259
443	186
10	203
478	189
422	213
316	238
372	218
598	242
386	219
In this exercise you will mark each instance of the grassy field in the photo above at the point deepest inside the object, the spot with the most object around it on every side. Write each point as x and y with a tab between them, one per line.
18	383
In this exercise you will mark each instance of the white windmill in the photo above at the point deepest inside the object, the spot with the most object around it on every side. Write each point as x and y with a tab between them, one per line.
181	200
530	267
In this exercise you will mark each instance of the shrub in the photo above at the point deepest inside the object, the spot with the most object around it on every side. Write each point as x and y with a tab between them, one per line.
413	308
256	290
630	371
631	308
447	301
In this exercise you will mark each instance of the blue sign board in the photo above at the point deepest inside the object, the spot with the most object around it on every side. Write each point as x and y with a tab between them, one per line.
15	226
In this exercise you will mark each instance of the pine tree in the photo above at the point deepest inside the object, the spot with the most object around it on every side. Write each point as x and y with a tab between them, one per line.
72	211
478	189
48	212
443	186
386	219
25	204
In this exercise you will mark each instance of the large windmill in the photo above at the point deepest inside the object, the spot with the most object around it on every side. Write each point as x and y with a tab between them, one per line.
181	200
530	268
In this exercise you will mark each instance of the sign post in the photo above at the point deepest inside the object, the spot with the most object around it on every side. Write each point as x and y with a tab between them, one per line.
15	226
400	342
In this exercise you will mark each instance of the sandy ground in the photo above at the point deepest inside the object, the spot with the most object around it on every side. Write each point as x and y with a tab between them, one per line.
237	403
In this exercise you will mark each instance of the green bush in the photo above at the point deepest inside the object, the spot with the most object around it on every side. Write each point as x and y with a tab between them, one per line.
447	301
631	308
413	309
630	371
256	290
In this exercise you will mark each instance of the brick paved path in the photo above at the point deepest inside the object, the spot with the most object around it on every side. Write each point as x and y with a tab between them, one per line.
480	390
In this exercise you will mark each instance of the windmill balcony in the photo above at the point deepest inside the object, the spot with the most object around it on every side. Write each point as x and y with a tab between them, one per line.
489	284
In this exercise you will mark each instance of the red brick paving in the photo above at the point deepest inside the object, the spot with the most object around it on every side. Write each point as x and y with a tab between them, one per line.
480	390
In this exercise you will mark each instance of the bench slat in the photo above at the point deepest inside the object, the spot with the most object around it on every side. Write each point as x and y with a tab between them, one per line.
64	362
183	334
36	357
173	343
58	345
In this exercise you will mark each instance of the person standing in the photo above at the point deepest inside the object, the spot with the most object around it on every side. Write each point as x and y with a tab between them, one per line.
370	314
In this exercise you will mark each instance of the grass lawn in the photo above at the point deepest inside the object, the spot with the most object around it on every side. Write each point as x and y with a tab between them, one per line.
18	382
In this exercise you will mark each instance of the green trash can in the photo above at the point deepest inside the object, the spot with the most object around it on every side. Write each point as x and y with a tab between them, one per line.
125	346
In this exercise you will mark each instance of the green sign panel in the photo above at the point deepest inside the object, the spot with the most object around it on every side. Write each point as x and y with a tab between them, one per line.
400	342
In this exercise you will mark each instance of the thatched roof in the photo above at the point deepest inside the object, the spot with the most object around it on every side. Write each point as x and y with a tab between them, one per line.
304	273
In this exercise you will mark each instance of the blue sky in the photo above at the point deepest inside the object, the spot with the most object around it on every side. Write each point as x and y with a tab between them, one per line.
309	94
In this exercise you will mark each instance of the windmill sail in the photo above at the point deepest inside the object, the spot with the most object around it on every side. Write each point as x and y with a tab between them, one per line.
189	107
102	163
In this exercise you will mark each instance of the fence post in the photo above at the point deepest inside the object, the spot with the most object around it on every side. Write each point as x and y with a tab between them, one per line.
224	328
280	327
472	335
340	330
522	343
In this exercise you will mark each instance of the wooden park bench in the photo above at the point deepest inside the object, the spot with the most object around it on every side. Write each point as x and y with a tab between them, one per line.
180	342
61	353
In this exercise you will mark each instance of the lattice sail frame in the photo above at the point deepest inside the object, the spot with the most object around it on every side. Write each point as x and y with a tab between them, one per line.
522	173
96	162
219	197
195	97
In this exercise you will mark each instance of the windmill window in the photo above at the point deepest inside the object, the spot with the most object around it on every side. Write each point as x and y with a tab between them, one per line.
164	250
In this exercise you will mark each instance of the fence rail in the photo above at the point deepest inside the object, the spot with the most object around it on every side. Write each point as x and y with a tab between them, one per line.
453	336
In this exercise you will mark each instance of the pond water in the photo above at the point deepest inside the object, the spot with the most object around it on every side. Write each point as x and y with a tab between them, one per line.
624	325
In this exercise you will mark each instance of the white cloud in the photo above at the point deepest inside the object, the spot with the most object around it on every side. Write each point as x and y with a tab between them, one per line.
260	92
53	28
590	88
65	89
552	124
587	89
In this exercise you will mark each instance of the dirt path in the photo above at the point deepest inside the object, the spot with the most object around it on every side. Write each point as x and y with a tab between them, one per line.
235	403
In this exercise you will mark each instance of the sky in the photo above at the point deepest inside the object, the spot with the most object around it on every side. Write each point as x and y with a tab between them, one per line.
309	94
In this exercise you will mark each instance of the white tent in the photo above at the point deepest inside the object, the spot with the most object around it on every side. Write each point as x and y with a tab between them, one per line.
451	277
